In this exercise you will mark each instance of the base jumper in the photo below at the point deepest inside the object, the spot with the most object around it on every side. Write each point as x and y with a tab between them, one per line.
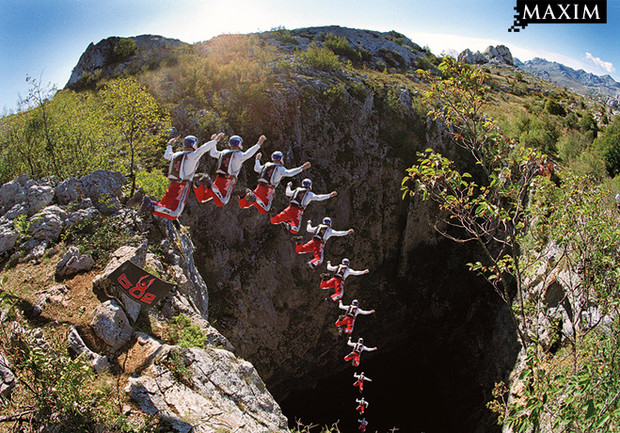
363	424
300	198
229	163
360	379
181	172
358	348
361	405
320	235
269	177
346	322
336	281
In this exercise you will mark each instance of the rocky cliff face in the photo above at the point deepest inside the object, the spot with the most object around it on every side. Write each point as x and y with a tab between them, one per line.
100	58
203	389
430	310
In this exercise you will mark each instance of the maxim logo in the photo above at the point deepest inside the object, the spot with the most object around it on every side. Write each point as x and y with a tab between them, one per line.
558	12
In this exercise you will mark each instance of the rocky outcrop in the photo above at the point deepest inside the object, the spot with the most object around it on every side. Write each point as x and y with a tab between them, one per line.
377	50
498	54
102	56
202	390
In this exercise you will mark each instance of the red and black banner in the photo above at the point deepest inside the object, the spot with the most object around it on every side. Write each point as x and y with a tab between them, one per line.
559	12
139	285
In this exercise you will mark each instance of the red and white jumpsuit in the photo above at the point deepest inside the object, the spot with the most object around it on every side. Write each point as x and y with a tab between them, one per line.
358	348
181	172
347	321
361	405
363	424
270	176
292	215
229	163
316	245
360	379
337	281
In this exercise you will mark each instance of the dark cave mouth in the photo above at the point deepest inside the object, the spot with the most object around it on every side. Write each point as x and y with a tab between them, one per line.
408	392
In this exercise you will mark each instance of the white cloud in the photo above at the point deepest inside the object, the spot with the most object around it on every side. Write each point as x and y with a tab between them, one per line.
607	66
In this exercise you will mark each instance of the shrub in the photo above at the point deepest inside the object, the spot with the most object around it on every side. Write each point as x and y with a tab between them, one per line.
321	58
184	333
124	49
152	183
340	46
98	236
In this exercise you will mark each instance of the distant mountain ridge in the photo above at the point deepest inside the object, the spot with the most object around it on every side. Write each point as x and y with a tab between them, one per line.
578	80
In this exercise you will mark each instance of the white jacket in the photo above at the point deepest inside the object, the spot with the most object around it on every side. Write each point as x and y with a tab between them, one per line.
348	271
357	311
329	233
281	171
310	196
190	162
238	158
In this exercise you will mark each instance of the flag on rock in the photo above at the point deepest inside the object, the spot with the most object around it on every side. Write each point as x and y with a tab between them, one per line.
140	285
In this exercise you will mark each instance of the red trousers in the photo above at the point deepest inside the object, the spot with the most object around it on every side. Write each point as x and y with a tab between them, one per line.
173	201
347	322
359	384
264	196
354	357
362	427
360	408
335	283
314	246
292	216
220	191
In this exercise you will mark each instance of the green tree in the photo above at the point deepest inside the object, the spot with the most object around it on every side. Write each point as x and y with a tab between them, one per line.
608	143
490	210
137	116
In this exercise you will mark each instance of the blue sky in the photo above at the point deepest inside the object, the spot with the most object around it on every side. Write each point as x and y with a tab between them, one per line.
45	38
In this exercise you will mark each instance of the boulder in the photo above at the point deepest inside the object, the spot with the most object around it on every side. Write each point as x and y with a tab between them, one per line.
7	379
8	238
99	363
73	263
13	192
201	390
48	224
67	191
39	197
111	325
104	187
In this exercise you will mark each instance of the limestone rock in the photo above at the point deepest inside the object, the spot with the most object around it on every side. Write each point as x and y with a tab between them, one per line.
7	379
500	54
99	363
111	325
73	263
213	390
104	188
8	238
48	224
67	191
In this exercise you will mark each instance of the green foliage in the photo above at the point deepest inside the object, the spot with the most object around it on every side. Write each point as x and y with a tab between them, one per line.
182	332
57	392
176	363
124	49
283	35
321	58
98	236
608	143
152	183
137	116
62	134
554	107
340	46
